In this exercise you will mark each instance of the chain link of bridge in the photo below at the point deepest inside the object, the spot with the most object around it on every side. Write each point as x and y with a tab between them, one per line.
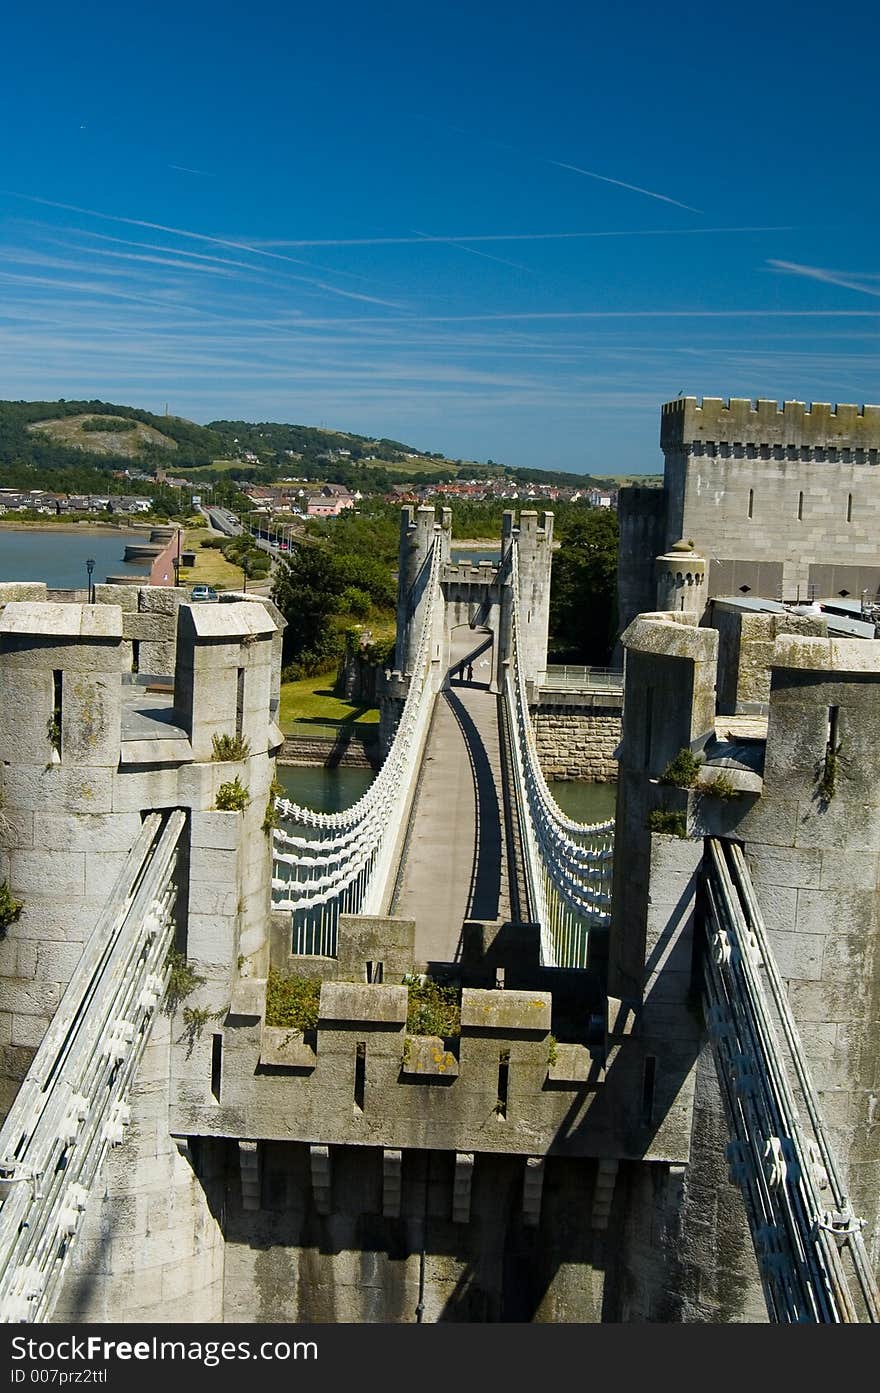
73	1103
811	1254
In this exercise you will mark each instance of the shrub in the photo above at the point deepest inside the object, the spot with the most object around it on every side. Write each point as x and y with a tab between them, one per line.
182	979
682	770
229	748
10	908
719	787
292	1001
431	1008
270	821
53	732
232	797
669	823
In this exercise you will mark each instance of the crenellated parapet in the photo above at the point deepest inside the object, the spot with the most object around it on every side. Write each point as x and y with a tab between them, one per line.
691	421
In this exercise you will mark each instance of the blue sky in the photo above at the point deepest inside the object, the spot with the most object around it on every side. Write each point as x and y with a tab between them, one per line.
508	234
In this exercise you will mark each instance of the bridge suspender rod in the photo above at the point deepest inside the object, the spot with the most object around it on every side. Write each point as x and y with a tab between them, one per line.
567	864
780	1169
329	864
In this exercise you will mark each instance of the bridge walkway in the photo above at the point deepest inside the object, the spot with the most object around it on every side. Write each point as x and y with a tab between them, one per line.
454	865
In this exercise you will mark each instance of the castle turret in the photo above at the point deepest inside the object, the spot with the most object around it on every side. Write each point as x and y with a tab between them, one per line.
681	580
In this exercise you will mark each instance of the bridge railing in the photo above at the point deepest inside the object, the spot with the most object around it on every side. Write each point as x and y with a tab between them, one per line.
780	1154
327	864
568	864
73	1104
565	677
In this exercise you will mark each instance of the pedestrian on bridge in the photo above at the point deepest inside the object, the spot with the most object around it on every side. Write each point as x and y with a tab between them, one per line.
470	672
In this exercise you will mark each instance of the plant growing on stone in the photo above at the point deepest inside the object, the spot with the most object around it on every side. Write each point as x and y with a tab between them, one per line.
431	1008
195	1018
829	772
232	797
270	821
720	787
229	748
682	770
53	732
552	1049
10	908
669	823
182	979
292	1001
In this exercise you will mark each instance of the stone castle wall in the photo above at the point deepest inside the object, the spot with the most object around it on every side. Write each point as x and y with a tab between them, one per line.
790	485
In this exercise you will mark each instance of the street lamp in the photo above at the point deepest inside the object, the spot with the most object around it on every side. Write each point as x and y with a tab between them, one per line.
90	566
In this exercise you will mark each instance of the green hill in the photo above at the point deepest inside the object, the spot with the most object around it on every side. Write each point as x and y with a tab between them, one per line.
41	441
103	435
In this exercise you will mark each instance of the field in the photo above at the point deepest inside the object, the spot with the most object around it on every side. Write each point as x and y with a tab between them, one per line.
646	480
211	566
312	699
69	430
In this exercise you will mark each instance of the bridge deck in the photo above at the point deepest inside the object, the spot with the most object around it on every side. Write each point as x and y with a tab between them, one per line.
455	860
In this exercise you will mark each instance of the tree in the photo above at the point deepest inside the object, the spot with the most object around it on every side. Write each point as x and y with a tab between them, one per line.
584	589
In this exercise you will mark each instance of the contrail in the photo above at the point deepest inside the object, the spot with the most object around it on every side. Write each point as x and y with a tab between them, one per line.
646	314
817	273
634	188
516	236
459	246
185	169
590	174
204	237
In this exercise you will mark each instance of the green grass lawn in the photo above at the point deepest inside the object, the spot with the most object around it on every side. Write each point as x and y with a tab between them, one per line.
312	699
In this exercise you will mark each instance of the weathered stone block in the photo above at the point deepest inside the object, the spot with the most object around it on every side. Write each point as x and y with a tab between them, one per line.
501	1011
352	1001
428	1055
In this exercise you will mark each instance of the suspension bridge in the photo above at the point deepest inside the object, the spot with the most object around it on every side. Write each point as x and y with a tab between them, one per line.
458	827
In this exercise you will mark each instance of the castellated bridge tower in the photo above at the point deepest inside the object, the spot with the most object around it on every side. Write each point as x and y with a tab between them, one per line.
418	533
535	547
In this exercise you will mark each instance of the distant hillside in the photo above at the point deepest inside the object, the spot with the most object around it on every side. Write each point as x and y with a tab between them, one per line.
104	435
47	438
63	435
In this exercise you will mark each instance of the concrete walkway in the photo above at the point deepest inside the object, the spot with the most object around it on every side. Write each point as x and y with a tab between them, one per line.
455	861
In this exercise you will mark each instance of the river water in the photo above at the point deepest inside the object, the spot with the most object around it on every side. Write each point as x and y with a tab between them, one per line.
332	790
59	557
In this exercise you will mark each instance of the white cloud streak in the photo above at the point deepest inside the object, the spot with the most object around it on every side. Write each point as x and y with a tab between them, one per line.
619	183
512	237
847	280
205	237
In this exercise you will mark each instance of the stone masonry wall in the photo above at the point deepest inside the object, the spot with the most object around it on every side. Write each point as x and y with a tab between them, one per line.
578	745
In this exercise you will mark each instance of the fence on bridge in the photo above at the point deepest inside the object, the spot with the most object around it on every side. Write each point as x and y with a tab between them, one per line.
327	864
565	677
568	864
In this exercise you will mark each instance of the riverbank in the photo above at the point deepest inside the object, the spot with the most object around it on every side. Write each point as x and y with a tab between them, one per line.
82	529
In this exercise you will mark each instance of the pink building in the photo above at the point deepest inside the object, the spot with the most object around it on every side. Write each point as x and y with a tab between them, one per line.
322	506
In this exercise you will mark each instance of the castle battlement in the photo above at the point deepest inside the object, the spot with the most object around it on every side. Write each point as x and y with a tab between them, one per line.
740	420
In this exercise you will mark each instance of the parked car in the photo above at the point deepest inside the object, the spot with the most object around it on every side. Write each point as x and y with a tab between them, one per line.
202	592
